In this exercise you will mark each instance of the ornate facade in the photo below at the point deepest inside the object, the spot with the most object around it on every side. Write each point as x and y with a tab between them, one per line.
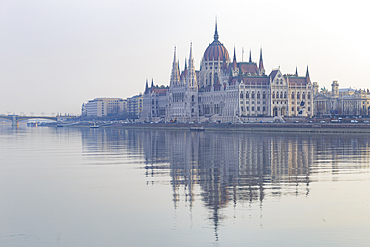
229	91
341	101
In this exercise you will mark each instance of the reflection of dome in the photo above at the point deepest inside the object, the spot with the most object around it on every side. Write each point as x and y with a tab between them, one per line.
216	51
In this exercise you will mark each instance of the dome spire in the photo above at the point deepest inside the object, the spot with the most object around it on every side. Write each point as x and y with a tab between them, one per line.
216	33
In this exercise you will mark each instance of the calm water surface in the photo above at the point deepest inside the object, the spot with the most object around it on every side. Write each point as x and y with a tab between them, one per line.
107	187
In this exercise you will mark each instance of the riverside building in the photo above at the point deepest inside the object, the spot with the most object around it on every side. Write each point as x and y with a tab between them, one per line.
341	101
100	107
228	91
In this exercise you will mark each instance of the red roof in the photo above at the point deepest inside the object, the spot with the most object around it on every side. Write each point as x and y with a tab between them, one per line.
248	68
216	52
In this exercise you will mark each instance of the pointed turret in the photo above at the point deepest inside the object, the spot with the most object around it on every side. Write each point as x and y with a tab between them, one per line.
175	74
261	67
308	80
146	86
234	60
296	71
152	86
250	56
191	76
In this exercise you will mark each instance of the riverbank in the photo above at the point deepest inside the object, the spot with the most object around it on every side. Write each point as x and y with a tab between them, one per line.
255	127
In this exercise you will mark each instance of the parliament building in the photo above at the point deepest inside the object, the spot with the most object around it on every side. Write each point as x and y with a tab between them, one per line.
226	90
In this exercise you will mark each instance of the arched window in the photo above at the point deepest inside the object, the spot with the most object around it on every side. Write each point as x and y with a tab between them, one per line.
281	95
247	95
258	95
264	95
285	95
252	95
241	95
298	97
308	96
277	95
303	96
273	95
292	95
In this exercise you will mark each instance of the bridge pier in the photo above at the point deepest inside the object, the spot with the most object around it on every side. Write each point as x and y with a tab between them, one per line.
14	121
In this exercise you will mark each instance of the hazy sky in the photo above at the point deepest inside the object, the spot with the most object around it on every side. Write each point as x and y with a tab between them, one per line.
56	55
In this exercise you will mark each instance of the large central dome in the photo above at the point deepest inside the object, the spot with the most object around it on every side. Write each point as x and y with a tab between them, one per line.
216	51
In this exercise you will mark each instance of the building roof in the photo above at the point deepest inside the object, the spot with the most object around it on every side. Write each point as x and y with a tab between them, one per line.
247	68
216	51
273	74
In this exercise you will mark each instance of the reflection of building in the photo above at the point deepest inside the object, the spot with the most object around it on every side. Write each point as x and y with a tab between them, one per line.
100	107
222	169
227	167
342	101
225	90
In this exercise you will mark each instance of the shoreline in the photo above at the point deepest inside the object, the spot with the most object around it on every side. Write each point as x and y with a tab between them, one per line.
249	127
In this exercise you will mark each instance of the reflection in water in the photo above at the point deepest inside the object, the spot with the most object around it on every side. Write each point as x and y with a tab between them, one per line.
226	168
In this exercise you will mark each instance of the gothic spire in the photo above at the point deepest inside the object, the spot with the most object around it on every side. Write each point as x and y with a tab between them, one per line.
250	56
261	61
307	76
234	60
261	68
175	74
191	76
296	71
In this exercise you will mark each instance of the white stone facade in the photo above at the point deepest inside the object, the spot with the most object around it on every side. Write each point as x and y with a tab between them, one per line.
229	91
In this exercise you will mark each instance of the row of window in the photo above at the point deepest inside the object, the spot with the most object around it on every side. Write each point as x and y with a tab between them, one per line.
277	81
252	102
252	95
252	108
292	96
264	108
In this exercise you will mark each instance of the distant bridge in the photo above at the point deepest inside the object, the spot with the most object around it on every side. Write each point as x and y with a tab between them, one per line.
16	119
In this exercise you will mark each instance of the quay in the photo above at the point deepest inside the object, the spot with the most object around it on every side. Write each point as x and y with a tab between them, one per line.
255	127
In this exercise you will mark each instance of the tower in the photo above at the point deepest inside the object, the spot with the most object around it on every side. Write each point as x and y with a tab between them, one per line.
191	78
335	89
175	74
191	93
214	59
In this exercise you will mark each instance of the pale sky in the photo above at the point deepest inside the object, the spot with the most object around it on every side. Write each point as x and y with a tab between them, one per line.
56	55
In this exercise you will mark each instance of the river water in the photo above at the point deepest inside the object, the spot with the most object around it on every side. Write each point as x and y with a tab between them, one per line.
117	187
